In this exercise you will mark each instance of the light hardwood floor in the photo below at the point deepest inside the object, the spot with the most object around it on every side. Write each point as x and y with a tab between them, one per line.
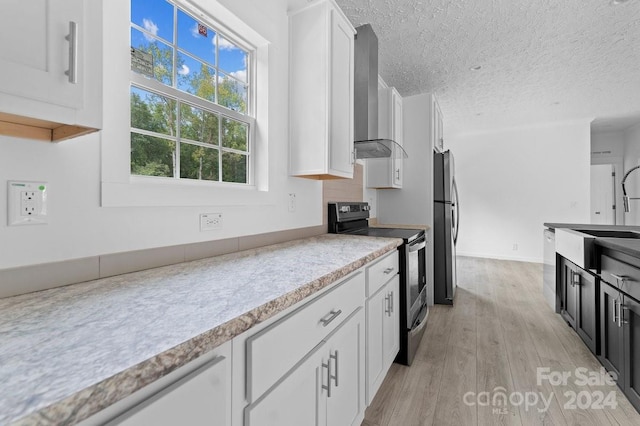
493	340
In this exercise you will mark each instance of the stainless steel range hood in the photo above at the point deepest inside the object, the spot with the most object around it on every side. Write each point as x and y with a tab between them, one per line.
367	144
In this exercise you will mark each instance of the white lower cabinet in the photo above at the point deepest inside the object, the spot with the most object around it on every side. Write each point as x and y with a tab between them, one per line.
198	393
295	400
382	334
319	362
325	388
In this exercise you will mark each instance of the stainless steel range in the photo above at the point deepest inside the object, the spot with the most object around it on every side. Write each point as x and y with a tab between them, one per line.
352	218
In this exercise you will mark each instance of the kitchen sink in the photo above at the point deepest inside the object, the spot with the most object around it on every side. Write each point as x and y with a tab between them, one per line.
610	233
578	246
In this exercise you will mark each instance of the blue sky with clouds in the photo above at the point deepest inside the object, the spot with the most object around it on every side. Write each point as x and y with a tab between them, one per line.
157	18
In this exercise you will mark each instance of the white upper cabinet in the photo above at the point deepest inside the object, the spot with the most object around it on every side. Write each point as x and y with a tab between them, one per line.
387	172
50	53
321	49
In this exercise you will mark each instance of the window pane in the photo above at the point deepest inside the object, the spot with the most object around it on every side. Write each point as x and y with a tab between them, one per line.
232	94
198	125
234	167
232	59
162	55
152	156
234	134
196	78
154	16
152	112
196	39
198	162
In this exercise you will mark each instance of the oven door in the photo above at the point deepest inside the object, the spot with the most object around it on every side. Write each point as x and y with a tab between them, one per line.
416	278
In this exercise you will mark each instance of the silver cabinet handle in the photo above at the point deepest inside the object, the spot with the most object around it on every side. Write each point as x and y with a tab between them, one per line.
576	278
72	38
398	174
387	308
388	270
391	303
571	280
619	314
621	319
621	278
335	361
328	386
614	303
330	317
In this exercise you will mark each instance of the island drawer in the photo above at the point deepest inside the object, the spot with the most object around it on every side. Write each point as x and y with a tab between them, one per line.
278	348
381	272
621	275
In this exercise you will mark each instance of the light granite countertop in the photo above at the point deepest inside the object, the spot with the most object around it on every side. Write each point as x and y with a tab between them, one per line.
67	353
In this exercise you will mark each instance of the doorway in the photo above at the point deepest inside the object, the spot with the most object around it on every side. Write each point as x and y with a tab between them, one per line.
603	194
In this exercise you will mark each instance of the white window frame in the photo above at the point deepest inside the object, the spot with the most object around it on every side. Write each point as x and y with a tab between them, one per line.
119	187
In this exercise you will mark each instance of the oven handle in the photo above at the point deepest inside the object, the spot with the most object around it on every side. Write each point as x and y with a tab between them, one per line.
418	245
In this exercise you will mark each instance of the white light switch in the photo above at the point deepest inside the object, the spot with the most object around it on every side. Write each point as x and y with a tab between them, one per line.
27	203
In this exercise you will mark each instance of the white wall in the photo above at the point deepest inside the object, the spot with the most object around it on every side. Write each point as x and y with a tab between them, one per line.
80	227
413	204
512	181
631	159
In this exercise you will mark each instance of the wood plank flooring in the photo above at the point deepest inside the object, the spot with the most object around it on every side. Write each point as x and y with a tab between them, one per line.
491	343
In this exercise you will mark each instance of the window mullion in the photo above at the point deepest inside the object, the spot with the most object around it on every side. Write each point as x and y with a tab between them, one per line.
219	145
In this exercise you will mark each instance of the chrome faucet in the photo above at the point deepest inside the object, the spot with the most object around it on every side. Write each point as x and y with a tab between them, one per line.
625	197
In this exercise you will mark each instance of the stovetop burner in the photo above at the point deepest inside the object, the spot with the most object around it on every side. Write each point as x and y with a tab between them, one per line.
352	218
406	234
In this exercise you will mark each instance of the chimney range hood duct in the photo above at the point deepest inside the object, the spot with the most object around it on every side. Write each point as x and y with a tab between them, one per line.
367	144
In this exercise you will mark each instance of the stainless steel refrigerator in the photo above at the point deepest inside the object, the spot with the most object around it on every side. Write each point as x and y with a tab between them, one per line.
446	220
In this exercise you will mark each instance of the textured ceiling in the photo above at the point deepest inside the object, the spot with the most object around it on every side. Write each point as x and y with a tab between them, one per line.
542	60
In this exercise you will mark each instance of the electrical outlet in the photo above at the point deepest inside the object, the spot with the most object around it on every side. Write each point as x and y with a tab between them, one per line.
27	203
292	202
515	247
210	221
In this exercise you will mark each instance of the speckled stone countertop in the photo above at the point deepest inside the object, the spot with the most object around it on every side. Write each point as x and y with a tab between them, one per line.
67	353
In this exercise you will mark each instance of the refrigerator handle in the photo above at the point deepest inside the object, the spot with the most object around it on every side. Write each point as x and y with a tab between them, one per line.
456	223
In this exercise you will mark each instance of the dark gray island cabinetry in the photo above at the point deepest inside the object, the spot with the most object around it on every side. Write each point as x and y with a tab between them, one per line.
620	319
598	293
578	301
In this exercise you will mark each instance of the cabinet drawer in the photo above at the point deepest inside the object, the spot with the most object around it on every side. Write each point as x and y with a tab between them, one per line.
631	274
279	347
381	272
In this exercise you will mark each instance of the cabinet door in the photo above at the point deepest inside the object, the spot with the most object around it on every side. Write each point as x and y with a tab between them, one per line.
611	343
297	399
345	356
341	105
631	320
201	398
396	120
569	290
377	307
391	335
586	317
34	53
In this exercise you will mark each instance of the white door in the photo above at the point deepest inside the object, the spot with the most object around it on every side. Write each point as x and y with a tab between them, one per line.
603	194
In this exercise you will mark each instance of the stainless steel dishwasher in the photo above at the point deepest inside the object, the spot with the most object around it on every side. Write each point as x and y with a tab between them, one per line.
549	268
